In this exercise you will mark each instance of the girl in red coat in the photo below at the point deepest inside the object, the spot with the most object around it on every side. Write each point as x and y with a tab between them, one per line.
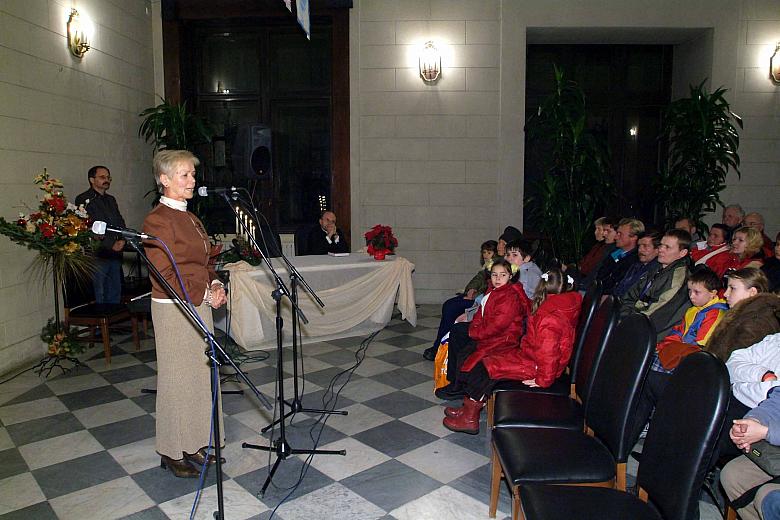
541	358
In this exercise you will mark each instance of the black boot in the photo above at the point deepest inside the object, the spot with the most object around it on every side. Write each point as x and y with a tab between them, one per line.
451	392
430	353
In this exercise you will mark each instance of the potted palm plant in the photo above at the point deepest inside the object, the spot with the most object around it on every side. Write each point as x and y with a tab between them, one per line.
702	142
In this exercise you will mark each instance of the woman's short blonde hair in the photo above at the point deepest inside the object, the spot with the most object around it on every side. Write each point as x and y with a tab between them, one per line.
165	162
754	240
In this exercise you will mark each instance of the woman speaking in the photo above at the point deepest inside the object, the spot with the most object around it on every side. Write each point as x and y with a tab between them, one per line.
183	374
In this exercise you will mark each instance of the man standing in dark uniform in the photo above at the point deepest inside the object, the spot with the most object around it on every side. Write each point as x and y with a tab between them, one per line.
107	279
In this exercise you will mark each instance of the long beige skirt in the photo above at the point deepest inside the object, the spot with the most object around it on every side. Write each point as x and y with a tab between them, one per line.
183	382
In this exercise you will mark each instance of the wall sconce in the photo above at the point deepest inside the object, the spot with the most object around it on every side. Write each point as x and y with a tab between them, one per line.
78	39
430	63
774	65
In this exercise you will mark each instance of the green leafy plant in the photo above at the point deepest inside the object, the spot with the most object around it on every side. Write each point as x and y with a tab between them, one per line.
576	183
703	143
170	126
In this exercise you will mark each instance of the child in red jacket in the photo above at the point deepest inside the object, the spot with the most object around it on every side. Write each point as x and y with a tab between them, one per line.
541	357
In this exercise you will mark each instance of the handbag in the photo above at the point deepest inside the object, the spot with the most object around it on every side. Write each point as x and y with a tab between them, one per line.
766	456
440	366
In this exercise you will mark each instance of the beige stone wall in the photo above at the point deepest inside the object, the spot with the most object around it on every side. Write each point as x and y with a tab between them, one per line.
443	164
66	114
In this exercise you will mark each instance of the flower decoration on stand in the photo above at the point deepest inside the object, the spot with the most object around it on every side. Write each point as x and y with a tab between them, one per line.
380	241
59	232
57	229
241	250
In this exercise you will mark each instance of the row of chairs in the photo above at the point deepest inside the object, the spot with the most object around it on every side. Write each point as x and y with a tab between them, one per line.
578	432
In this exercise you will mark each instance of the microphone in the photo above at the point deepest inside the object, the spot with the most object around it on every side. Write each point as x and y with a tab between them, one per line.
205	191
99	228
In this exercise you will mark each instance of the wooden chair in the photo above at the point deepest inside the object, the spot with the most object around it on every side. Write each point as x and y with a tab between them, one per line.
597	458
680	443
82	311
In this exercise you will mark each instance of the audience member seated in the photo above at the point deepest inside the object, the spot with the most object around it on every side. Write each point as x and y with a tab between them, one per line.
616	264
326	237
537	360
746	249
583	280
687	224
771	266
456	305
510	234
524	270
741	474
595	254
756	221
732	217
715	252
662	294
687	337
647	253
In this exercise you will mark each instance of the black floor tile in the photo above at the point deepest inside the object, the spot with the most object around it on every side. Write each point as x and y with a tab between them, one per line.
124	432
401	378
338	357
120	375
390	484
146	401
398	404
74	475
395	438
11	463
153	513
44	428
161	485
91	397
401	358
40	511
286	477
405	341
39	392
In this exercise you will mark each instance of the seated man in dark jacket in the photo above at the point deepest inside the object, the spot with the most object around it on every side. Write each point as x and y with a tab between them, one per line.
326	238
617	263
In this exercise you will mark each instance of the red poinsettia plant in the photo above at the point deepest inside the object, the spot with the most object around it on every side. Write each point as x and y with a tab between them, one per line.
380	239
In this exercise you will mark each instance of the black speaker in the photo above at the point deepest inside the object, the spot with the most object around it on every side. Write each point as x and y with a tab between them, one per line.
251	151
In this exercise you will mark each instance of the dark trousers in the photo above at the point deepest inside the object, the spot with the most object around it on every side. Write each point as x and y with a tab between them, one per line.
654	386
459	348
477	382
450	310
107	280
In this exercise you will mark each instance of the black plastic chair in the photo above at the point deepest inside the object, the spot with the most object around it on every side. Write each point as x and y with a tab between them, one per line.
676	455
564	385
598	458
529	410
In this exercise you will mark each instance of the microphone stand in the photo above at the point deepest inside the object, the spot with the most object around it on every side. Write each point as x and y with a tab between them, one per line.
280	446
296	278
217	355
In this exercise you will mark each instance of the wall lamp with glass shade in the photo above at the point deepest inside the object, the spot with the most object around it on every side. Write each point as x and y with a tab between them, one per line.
430	63
774	65
78	34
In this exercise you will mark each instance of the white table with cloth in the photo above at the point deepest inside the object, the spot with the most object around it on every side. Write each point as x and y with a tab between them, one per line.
359	294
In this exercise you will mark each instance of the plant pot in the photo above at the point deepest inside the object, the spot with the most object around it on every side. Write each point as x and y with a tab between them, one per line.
380	255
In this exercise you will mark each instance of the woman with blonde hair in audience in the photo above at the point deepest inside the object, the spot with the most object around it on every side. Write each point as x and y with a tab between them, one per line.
746	249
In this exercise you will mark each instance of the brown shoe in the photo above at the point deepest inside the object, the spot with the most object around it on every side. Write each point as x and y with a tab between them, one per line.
199	457
181	468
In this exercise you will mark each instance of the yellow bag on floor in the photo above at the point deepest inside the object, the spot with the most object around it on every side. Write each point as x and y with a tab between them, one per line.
440	367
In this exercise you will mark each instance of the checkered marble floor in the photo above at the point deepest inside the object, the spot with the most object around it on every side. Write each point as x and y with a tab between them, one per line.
81	445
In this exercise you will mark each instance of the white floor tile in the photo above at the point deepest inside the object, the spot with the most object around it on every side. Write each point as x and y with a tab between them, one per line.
59	449
109	500
28	411
429	420
239	504
18	492
76	384
444	502
359	458
108	413
334	501
122	361
360	418
443	460
136	456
